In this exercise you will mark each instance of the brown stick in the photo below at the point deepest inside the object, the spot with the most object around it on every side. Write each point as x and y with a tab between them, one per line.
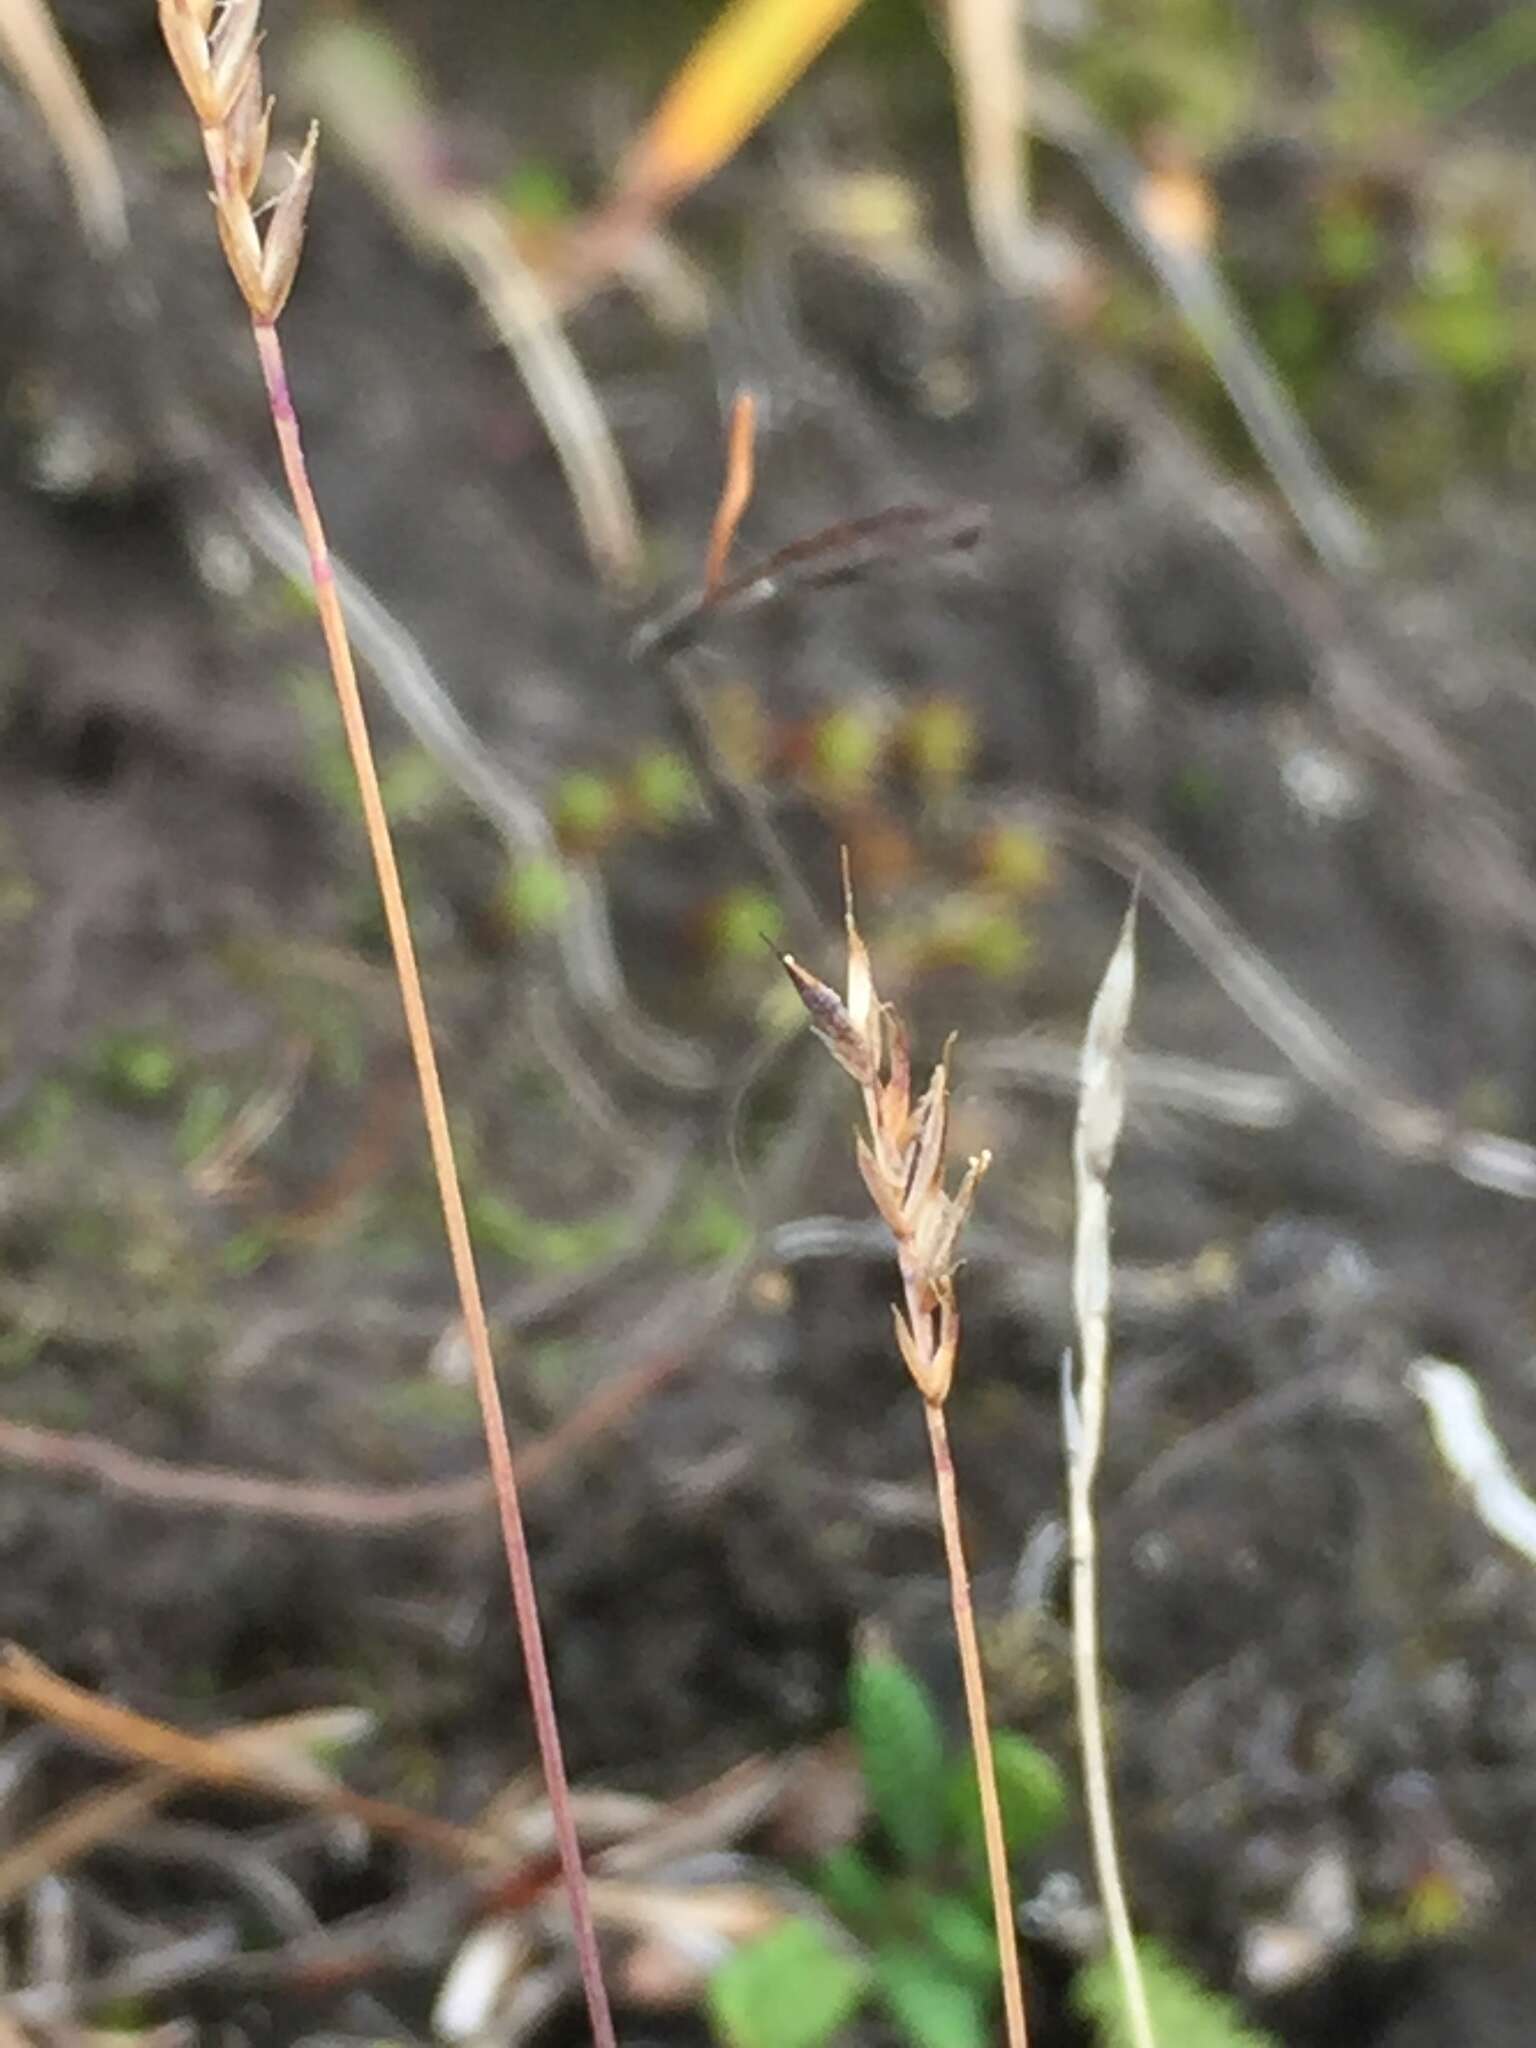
26	1683
358	1510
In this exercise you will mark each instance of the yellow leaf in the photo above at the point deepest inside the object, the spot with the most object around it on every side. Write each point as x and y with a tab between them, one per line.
747	60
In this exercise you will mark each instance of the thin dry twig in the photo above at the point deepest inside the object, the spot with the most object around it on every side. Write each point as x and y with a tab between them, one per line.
30	1685
217	57
902	1163
737	492
1101	1110
357	1510
105	1815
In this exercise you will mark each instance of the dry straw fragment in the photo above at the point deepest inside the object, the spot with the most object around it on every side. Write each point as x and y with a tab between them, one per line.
1100	1114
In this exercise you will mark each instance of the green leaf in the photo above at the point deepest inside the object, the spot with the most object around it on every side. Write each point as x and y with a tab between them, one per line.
932	2007
1185	2013
791	1989
1030	1790
901	1752
852	1887
964	1936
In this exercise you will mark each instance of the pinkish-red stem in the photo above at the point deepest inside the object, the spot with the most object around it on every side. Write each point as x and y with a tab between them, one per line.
514	1535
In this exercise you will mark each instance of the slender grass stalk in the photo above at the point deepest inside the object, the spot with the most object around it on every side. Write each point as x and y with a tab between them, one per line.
963	1610
217	57
987	55
1101	1107
902	1162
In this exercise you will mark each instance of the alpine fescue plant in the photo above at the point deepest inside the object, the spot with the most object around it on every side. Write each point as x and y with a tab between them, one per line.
907	1926
216	52
902	1159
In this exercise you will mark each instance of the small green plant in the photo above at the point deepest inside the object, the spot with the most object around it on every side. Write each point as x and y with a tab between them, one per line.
908	1922
906	1925
1184	2012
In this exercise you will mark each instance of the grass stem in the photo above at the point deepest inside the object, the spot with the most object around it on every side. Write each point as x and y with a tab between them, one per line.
1101	1109
963	1609
450	1194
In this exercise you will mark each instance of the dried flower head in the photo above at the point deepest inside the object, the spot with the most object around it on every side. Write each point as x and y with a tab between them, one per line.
902	1156
217	54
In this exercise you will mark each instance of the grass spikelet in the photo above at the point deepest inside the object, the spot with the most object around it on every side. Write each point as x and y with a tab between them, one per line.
901	1159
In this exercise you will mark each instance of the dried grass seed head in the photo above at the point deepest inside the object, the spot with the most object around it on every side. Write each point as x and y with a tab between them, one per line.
232	51
217	55
856	1052
284	242
902	1158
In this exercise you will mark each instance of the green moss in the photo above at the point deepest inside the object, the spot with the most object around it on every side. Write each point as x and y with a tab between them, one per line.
981	931
742	920
536	895
305	992
20	1343
1189	65
1464	320
709	1229
42	1121
1018	861
502	1226
1349	242
846	752
537	193
426	1403
587	808
939	739
247	1251
1376	80
326	760
412	782
663	789
204	1118
138	1069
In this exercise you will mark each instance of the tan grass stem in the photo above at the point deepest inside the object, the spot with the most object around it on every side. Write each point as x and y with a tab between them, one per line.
1101	1108
445	1169
962	1607
216	55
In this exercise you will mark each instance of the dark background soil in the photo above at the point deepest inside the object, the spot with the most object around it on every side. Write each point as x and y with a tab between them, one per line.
1314	1647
